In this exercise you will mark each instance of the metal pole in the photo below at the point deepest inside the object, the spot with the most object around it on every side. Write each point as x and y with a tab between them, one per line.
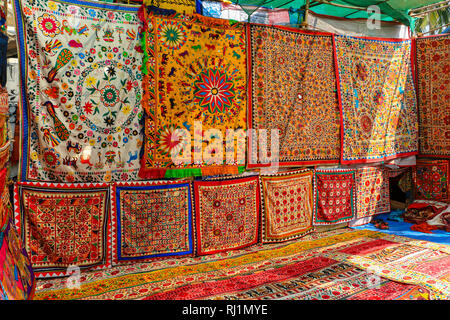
305	17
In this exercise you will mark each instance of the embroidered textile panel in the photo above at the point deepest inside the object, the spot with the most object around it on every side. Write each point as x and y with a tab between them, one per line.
194	90
151	220
334	196
81	91
181	6
287	206
293	90
372	191
227	214
16	275
377	99
433	90
431	180
64	225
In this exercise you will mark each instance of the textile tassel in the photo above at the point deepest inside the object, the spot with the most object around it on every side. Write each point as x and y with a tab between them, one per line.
151	173
217	170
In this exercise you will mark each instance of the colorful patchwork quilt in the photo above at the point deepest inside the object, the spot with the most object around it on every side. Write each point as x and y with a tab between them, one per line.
377	99
372	191
194	96
433	91
151	220
287	205
227	214
293	90
334	196
81	90
64	226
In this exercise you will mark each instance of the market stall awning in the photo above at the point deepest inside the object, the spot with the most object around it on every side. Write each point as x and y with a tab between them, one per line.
389	9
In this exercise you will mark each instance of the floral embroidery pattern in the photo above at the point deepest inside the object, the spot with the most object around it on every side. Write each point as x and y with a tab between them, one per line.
372	191
295	96
195	71
377	97
64	225
431	180
152	220
226	214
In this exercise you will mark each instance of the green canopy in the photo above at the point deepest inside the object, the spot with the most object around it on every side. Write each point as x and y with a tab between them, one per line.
390	9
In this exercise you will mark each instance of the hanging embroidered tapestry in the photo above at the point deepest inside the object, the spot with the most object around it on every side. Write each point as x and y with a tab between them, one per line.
431	180
334	196
377	99
293	90
372	191
287	205
81	90
194	96
227	214
151	220
64	225
433	91
16	275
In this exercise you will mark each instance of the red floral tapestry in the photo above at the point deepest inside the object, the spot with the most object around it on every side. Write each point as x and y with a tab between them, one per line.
151	219
64	225
372	191
227	214
377	99
293	90
334	196
433	90
431	180
287	205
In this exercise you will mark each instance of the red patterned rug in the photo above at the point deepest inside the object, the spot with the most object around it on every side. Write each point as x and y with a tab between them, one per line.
377	99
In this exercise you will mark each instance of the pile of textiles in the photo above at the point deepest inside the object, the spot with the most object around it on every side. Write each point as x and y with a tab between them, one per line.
428	215
340	264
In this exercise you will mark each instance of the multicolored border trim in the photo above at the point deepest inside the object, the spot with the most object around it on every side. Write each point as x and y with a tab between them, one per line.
380	158
250	143
65	188
285	175
116	257
317	222
222	182
24	113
